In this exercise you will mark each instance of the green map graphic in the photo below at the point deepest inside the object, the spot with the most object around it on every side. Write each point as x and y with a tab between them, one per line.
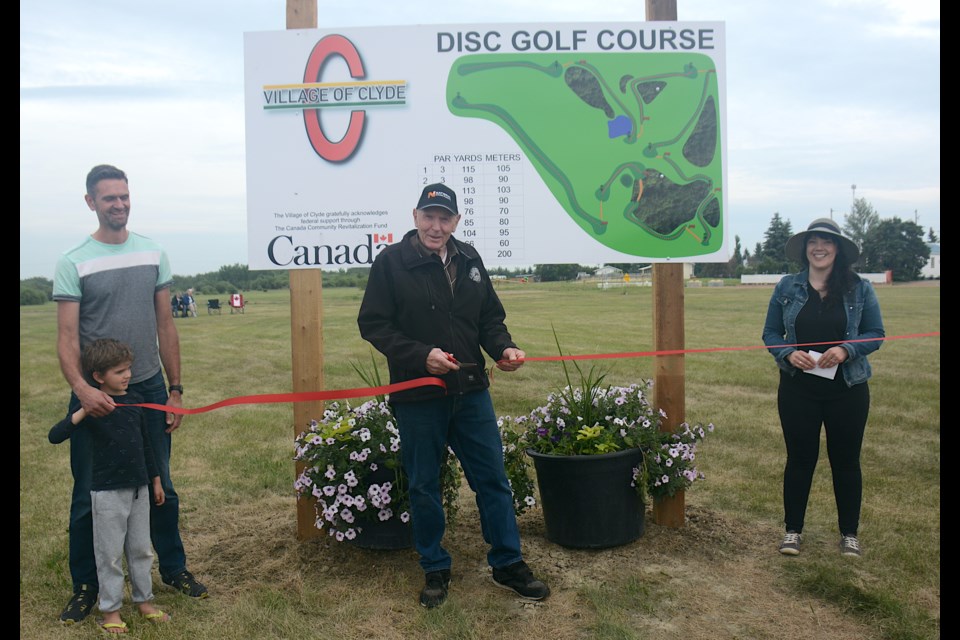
629	144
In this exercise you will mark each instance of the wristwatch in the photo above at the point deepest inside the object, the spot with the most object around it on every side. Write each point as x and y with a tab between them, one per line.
176	387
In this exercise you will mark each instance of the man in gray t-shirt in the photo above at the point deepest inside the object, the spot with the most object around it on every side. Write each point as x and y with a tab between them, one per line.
115	284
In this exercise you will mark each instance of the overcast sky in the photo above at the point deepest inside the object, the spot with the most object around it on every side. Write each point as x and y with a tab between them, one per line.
821	95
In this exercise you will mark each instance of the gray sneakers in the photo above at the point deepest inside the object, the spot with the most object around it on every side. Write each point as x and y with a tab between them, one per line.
850	546
791	544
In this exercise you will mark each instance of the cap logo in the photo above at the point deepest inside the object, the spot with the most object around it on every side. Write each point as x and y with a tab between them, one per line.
441	194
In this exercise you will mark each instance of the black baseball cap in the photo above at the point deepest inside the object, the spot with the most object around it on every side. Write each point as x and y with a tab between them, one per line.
438	195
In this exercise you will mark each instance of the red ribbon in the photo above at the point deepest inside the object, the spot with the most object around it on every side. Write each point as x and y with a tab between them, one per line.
362	392
303	396
677	352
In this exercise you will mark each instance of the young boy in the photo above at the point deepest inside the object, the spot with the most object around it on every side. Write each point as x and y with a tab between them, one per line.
123	467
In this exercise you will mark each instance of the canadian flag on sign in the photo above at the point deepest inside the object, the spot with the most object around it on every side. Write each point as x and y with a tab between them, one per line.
383	237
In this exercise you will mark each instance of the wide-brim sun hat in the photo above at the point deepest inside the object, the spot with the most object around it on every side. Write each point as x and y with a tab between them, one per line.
796	245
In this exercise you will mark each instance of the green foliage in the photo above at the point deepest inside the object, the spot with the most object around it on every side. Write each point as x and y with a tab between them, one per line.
861	219
238	274
517	466
895	245
238	278
507	271
30	296
353	469
370	376
35	291
757	254
735	265
772	258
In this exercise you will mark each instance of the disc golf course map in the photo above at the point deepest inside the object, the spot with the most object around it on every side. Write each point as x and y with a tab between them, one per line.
628	144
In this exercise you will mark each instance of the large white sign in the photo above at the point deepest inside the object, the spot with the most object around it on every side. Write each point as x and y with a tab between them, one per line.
585	143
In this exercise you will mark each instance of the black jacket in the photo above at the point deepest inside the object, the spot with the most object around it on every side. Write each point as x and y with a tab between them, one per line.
408	309
122	454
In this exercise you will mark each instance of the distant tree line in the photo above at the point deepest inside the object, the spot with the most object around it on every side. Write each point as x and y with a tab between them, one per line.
234	278
35	291
891	244
240	278
885	244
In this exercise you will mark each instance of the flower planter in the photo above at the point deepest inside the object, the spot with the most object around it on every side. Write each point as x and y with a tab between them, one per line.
386	535
588	501
383	534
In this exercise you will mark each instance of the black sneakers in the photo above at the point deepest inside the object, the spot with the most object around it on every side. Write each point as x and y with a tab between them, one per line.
435	590
80	605
185	583
518	578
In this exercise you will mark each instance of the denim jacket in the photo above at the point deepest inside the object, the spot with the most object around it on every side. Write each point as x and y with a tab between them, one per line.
863	321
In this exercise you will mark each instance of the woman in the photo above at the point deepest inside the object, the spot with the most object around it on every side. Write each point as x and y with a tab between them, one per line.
830	306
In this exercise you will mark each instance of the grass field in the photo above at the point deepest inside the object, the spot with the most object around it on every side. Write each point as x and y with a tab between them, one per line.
718	577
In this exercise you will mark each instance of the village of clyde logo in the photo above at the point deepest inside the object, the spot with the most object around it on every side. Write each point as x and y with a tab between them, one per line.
313	95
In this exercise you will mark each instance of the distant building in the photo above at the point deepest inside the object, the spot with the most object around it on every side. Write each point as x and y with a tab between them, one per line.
607	272
931	270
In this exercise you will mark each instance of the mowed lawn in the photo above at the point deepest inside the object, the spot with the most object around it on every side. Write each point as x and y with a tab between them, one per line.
718	577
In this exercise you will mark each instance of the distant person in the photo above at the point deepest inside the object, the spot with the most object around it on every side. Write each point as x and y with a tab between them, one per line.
176	304
116	284
189	304
125	476
430	307
825	383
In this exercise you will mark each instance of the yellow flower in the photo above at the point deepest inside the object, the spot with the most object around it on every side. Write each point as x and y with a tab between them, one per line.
586	433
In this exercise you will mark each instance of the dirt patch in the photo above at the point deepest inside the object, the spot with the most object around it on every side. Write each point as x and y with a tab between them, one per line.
713	578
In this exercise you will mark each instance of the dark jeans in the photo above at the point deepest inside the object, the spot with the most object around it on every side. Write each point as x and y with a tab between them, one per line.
164	520
467	422
843	414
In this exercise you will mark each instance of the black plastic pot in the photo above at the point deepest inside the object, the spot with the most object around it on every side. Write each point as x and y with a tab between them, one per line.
390	534
587	500
386	534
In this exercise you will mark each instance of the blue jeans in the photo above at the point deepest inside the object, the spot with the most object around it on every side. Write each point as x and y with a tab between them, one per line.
467	422
164	520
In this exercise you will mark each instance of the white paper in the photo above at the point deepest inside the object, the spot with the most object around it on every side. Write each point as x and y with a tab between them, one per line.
830	372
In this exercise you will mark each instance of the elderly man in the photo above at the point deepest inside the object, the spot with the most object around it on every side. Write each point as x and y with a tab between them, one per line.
115	284
429	307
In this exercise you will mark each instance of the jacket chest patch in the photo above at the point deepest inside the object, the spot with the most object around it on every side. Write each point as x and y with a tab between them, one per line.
474	274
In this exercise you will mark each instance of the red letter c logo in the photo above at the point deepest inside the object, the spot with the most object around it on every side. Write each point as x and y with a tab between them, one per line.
342	150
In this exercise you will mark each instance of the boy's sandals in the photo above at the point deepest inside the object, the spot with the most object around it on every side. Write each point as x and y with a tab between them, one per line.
157	617
112	628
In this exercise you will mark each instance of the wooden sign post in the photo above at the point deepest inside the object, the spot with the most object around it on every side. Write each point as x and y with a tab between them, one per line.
668	333
306	319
